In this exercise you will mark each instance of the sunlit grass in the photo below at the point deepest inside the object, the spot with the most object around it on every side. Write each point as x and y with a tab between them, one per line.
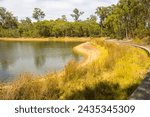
51	39
114	75
144	41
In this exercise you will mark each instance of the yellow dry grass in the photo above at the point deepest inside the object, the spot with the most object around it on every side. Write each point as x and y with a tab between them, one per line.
113	75
62	39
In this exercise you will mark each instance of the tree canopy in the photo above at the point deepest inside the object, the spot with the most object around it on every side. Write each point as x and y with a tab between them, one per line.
76	14
38	14
127	19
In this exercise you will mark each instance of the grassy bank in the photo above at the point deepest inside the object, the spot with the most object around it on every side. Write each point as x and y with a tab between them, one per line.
143	41
113	75
89	51
53	39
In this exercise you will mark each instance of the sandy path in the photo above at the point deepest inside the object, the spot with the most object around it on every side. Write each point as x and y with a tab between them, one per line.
89	51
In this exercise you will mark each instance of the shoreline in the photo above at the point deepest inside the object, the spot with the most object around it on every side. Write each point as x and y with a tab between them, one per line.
61	39
86	49
89	57
89	51
81	49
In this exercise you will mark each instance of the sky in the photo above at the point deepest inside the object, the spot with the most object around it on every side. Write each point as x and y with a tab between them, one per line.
54	8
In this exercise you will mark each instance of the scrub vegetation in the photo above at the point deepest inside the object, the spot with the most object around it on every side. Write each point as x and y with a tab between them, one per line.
127	19
114	75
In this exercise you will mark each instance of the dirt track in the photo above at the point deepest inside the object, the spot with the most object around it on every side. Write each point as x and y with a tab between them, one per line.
89	51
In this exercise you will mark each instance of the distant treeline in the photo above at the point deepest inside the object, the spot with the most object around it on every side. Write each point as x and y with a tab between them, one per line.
127	19
57	28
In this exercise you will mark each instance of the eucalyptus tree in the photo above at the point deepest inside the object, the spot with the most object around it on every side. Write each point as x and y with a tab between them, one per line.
92	18
27	20
38	14
76	14
25	27
146	5
133	16
102	13
7	20
64	18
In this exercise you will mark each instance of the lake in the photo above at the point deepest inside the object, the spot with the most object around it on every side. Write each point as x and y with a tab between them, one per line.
34	57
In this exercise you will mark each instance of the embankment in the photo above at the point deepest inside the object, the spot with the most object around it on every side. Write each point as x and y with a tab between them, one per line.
90	52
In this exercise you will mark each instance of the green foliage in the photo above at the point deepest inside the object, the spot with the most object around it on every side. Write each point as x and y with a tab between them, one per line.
7	20
127	19
9	33
64	18
59	28
92	18
38	14
76	14
50	28
25	27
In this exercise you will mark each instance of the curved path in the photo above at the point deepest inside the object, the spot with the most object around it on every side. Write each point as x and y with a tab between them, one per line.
89	51
143	90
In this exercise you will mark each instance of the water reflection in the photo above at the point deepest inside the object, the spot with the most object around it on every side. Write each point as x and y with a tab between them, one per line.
35	57
39	61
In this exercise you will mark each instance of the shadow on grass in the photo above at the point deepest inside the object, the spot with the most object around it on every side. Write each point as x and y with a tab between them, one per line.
101	91
130	89
142	92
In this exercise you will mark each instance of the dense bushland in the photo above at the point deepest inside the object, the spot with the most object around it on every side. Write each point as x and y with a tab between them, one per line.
127	19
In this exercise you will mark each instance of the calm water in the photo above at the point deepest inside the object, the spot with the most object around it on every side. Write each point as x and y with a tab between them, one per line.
34	57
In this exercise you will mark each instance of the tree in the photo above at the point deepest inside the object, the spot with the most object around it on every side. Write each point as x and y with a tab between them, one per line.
64	18
127	19
76	14
38	14
146	4
92	18
27	20
42	28
25	27
7	20
103	12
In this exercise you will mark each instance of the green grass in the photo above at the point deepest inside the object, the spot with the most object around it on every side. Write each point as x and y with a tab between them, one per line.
114	75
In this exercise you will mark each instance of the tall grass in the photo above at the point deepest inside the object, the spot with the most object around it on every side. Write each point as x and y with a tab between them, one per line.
114	75
143	41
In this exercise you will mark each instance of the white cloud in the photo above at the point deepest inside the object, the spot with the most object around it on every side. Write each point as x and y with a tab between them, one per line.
54	8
